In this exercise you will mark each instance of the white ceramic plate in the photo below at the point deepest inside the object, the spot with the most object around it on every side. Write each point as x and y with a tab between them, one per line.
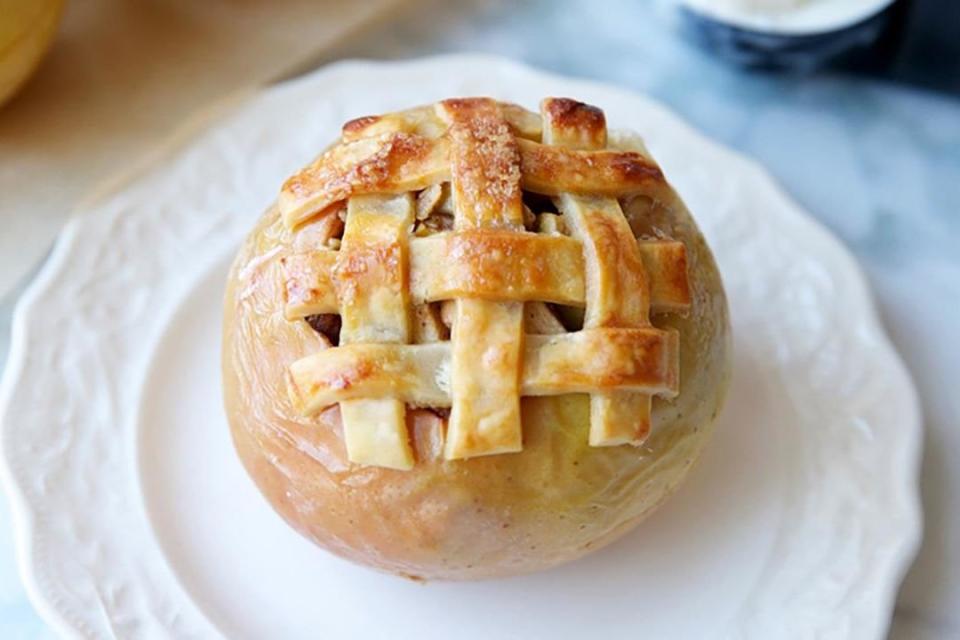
135	518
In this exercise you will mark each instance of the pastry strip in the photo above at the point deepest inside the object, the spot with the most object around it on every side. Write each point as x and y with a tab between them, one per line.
486	337
527	268
397	162
666	265
616	283
308	284
370	282
497	265
393	162
618	360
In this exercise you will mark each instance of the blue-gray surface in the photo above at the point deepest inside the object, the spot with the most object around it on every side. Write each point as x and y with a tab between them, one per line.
879	164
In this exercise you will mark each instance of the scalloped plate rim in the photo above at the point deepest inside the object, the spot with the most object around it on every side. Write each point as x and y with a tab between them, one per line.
24	515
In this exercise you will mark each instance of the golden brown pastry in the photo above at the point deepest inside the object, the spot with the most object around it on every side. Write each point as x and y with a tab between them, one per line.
470	340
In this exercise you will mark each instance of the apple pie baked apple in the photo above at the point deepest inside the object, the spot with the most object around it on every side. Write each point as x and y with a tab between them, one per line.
470	340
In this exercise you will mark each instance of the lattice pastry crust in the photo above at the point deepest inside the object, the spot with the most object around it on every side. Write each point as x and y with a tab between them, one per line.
495	265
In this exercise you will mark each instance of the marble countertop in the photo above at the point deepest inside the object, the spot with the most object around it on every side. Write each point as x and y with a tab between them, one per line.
875	162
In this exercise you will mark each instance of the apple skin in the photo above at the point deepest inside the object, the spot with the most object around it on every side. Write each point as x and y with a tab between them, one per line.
27	29
554	501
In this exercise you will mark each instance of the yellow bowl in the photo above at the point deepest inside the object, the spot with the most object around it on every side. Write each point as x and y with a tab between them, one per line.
27	28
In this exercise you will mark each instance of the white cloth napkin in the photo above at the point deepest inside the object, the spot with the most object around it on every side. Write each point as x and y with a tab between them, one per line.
121	74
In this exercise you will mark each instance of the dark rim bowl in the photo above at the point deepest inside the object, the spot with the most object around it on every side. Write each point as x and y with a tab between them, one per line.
776	51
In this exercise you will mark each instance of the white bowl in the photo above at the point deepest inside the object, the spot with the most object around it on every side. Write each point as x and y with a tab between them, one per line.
808	17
